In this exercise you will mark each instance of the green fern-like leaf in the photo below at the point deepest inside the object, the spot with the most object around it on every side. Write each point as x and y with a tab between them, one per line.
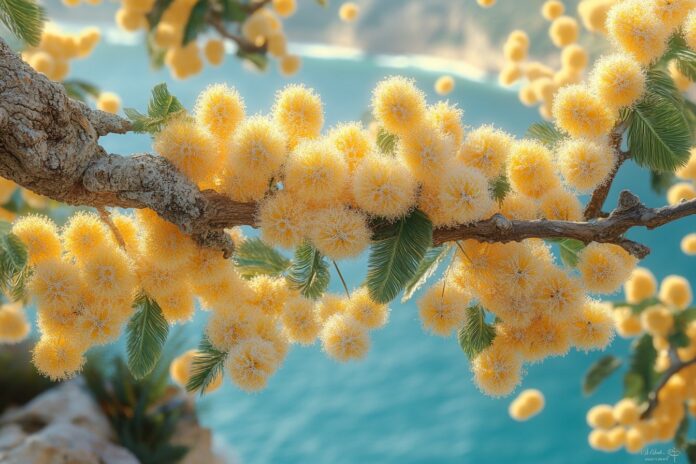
546	133
24	18
641	376
386	142
81	90
658	134
476	335
197	21
427	267
146	333
395	255
309	272
163	106
254	257
206	365
569	249
499	188
598	372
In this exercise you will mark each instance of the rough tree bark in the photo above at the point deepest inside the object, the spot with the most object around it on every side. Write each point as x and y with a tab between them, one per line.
49	144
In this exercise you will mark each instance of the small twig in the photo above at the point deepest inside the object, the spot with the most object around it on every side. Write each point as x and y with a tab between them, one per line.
242	43
340	276
106	219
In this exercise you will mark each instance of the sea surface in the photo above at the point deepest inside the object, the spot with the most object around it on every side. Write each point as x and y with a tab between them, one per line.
412	400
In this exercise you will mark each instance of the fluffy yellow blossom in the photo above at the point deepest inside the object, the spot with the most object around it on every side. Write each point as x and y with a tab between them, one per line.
688	171
383	186
298	112
582	114
40	235
557	294
367	312
97	325
269	294
515	51
640	286
689	30
637	30
601	417
530	169
604	267
497	370
330	304
486	148
425	150
220	109
251	363
398	105
688	244
127	228
189	148
574	57
552	9
486	3
214	51
277	45
84	234
618	80
352	141
657	320
260	25
182	367
528	404
177	306
444	85
163	241
675	291
349	12
290	65
634	440
55	283
267	329
344	339
339	233
626	412
448	118
257	148
509	74
594	14
561	205
228	326
546	336
216	294
464	195
516	206
681	191
585	164
593	328
281	220
243	186
316	172
442	312
14	326
300	322
109	273
57	358
627	324
157	281
671	13
564	31
109	102
285	8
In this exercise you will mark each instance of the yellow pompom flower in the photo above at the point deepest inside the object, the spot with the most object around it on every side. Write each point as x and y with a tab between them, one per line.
384	187
163	241
330	304
604	267
448	118
40	235
444	85
574	57
243	186
316	173
593	328
206	264
109	102
618	80
486	3
689	30
681	191
214	51
552	9
560	205
98	325
626	412
688	244
257	148
594	14
564	31
398	105
497	370
182	367
635	28
672	13
634	440
189	148
514	51
657	320
285	8
443	312
349	12
352	141
178	305
530	169
582	114
528	404
344	339
339	233
640	286
547	336
367	312
601	417
84	234
55	283
521	207
268	294
228	326
57	358
290	65
281	220
127	228
109	273
464	195
675	291
509	74
220	109
267	329
14	326
299	320
585	164
298	112
557	294
486	148
627	324
425	151
251	363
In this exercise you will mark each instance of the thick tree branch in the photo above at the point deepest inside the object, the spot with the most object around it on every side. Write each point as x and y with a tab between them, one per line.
49	144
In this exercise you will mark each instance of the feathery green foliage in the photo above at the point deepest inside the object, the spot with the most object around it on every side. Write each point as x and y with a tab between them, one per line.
641	376
499	187
658	133
81	90
207	364
598	372
163	106
14	272
427	267
253	257
24	18
386	141
196	22
233	10
476	335
396	253
678	337
309	272
146	333
683	56
546	133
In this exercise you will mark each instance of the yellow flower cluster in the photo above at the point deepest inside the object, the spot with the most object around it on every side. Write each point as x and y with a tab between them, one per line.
528	404
685	190
262	28
53	54
14	326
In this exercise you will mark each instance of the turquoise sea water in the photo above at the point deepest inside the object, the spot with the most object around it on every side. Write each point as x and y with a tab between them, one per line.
412	400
